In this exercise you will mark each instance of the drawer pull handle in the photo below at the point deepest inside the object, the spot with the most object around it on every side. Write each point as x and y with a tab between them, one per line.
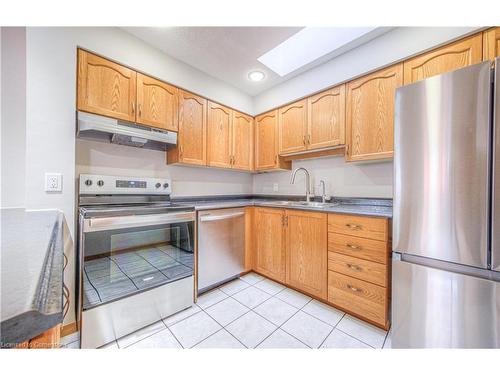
354	289
354	247
354	267
354	226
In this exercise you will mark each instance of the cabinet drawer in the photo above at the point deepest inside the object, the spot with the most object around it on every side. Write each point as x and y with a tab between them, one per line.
362	298
361	269
375	251
359	226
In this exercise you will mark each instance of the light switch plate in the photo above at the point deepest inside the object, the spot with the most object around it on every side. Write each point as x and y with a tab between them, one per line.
53	182
275	187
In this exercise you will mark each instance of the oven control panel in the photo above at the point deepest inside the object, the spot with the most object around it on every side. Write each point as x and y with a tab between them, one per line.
99	184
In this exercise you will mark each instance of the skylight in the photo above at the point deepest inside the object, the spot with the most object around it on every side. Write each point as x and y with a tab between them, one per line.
308	45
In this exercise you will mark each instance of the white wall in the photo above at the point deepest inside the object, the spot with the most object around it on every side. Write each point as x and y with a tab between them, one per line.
369	180
110	159
13	116
389	48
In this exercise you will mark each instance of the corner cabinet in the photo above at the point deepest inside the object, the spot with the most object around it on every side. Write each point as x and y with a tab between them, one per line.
491	43
242	137
270	251
156	103
219	125
192	138
229	138
105	87
266	143
306	251
370	114
453	56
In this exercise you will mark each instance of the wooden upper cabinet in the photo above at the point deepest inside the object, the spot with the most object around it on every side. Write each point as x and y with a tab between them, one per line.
292	122
105	88
306	251
192	139
266	140
270	251
370	114
326	118
491	43
219	153
242	141
453	56
156	103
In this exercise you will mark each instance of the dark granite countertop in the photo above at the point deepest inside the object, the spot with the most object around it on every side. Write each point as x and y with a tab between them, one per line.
378	207
32	262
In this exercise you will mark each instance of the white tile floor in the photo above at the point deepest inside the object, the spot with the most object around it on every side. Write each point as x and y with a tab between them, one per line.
253	312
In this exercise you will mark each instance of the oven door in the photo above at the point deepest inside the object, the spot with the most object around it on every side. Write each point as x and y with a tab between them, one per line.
124	255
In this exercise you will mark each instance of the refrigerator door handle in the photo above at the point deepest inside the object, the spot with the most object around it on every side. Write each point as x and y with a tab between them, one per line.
495	191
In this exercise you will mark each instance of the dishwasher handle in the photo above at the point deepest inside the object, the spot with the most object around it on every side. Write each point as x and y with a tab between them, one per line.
208	217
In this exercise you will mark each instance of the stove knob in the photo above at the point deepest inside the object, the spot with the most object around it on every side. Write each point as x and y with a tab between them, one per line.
100	183
88	182
158	185
165	185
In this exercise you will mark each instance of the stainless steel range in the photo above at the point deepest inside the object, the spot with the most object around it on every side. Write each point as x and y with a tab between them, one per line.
136	255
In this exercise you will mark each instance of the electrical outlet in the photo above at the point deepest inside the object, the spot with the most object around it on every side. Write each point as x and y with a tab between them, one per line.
53	182
275	187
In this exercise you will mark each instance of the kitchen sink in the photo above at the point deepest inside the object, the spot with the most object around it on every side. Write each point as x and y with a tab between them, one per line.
313	204
302	204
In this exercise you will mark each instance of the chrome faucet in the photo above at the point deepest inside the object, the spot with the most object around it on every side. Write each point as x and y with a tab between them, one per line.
308	182
324	197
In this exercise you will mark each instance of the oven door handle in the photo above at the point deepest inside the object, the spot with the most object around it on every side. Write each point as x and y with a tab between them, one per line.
135	221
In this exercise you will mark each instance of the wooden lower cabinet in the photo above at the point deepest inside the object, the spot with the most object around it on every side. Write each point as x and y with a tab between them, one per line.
359	266
306	251
361	298
270	252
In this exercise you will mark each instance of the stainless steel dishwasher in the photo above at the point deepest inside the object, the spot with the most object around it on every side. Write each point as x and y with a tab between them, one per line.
221	246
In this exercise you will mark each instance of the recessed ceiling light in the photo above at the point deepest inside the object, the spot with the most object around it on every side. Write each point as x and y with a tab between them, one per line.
256	76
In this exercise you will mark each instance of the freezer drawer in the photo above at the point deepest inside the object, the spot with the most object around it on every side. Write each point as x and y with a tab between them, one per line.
221	246
432	308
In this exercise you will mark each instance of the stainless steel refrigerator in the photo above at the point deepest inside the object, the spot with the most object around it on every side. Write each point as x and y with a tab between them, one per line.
446	223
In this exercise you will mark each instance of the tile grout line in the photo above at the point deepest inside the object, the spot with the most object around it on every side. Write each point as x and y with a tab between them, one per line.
356	338
281	325
135	342
175	338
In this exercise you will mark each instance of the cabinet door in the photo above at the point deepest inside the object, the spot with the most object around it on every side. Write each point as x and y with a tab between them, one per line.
242	141
306	251
270	249
156	103
491	43
326	118
105	88
370	114
293	127
192	139
219	135
266	140
453	56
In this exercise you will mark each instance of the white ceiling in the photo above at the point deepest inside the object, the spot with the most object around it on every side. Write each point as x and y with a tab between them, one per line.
230	53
